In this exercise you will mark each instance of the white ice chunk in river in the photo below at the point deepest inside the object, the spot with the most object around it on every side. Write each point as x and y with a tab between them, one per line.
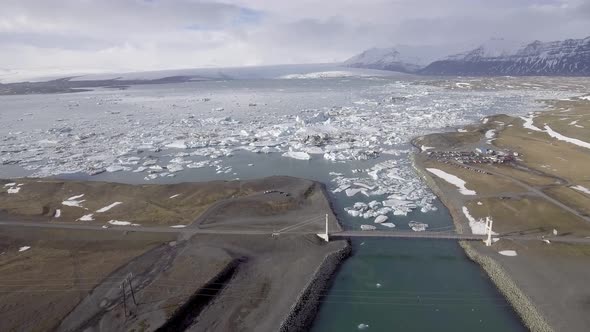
297	155
176	145
381	219
452	179
108	207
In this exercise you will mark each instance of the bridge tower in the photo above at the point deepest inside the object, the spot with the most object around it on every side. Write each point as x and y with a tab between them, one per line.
489	222
325	235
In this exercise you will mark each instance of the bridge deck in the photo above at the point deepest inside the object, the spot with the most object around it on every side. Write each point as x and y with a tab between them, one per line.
409	234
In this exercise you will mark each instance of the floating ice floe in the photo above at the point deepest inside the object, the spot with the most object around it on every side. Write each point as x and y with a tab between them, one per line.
363	326
510	253
108	207
381	219
585	98
74	201
86	217
297	155
561	137
121	223
417	226
581	189
452	179
24	248
368	227
117	168
388	224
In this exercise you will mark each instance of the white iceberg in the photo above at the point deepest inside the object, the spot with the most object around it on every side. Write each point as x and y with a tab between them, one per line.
381	219
297	155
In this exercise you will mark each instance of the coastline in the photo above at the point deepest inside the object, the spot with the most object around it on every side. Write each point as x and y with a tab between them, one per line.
517	299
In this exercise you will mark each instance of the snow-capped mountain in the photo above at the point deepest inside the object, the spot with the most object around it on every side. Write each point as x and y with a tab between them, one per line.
385	59
570	57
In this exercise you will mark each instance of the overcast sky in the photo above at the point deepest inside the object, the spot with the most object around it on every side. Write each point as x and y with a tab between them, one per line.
126	35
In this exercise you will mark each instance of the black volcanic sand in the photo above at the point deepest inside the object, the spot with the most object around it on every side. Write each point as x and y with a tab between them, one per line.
70	280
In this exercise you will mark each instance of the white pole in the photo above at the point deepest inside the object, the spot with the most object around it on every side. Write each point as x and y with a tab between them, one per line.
489	222
326	227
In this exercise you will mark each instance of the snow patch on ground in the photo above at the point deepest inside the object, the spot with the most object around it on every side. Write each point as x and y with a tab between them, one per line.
24	248
178	226
528	123
57	213
452	179
510	253
561	137
478	226
108	207
121	223
87	217
582	189
74	201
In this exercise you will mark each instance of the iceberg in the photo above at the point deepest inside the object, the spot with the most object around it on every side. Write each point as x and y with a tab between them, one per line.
297	155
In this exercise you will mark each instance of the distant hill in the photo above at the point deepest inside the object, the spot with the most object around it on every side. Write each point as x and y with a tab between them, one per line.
570	57
496	57
384	59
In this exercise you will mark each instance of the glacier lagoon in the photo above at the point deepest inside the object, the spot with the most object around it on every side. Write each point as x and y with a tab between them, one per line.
351	133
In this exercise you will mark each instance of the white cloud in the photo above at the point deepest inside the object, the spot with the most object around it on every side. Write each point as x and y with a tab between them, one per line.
121	35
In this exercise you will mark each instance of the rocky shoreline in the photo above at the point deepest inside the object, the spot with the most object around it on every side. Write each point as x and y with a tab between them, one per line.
304	309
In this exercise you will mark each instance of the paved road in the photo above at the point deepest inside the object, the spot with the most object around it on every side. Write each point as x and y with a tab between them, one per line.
341	234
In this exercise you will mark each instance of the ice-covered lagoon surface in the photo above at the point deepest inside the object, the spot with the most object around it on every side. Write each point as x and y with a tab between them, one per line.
355	131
